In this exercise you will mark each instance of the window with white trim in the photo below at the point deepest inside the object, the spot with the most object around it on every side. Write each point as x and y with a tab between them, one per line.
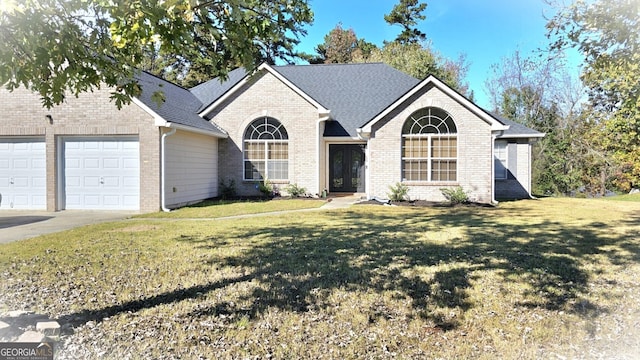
266	150
500	159
430	147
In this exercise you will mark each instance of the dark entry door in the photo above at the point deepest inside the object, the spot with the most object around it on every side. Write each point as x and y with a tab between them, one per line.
346	168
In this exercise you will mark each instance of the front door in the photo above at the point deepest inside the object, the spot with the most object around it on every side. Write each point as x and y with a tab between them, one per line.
346	168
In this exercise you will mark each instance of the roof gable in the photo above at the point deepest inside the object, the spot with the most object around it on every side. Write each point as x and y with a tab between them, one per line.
356	96
233	88
431	80
354	93
351	92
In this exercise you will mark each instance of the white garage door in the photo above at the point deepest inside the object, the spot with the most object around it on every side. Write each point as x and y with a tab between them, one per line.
102	173
23	174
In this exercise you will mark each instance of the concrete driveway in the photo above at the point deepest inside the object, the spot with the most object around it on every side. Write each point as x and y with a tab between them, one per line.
19	225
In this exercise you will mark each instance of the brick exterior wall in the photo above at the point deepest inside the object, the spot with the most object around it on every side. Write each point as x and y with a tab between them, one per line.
264	96
91	114
474	150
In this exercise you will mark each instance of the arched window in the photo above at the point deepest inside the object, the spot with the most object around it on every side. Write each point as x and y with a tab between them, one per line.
429	146
266	150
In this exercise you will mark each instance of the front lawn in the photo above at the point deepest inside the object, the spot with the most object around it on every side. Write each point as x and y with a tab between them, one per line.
553	278
211	209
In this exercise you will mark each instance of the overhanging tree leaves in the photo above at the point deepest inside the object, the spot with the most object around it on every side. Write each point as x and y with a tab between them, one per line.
62	47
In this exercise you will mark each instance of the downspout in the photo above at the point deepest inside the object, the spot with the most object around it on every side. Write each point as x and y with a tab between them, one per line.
163	145
493	171
323	116
366	135
529	147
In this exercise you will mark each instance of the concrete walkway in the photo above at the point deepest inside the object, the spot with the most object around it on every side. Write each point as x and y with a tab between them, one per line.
22	224
340	202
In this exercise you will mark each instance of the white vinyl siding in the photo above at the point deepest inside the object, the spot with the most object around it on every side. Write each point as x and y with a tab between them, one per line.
23	184
192	168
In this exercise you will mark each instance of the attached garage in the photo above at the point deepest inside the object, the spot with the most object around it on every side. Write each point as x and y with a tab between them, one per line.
86	154
23	184
101	173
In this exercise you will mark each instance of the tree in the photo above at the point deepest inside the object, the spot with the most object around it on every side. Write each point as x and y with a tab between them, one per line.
420	61
606	33
62	47
405	54
407	13
341	46
519	86
338	47
538	93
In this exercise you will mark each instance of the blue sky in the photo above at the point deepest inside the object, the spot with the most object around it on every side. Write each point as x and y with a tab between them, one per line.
485	30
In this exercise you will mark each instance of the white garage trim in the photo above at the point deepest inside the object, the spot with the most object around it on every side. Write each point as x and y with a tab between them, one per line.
100	173
23	173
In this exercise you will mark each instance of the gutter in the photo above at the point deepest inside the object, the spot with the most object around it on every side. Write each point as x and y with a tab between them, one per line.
163	123
163	145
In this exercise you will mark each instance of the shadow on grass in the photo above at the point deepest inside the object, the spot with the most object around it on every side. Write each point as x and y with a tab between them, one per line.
300	263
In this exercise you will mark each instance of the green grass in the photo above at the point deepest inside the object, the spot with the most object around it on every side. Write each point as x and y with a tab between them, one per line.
554	278
632	198
211	209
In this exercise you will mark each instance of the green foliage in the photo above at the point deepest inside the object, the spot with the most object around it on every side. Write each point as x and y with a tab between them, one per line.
455	195
421	61
398	192
228	189
407	55
295	191
266	188
341	46
606	33
58	48
407	13
539	94
338	47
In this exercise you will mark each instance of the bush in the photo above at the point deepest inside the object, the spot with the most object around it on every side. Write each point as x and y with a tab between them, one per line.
455	195
228	189
399	192
266	188
295	191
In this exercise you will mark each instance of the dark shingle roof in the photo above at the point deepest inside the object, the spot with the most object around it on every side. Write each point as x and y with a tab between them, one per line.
210	91
355	93
516	129
180	105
